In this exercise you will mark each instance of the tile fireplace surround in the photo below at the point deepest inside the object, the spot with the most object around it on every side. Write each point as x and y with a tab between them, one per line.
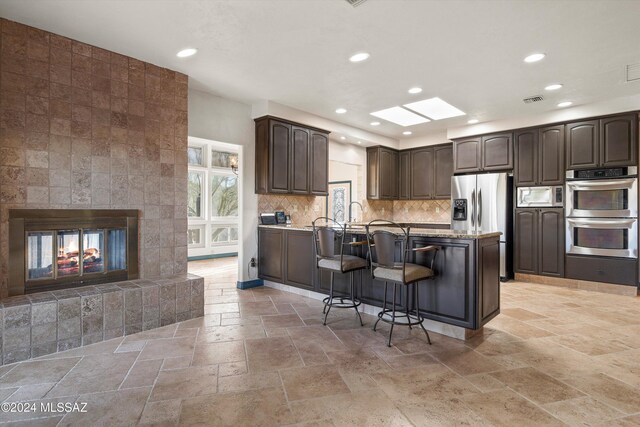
85	128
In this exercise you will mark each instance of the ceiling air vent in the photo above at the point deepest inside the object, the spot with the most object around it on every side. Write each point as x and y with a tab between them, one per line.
633	72
536	98
355	3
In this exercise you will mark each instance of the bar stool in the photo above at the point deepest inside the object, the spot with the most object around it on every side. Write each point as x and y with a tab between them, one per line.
325	237
382	249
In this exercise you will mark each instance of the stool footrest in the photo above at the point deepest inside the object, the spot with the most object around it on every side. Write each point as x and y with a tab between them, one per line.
401	318
344	302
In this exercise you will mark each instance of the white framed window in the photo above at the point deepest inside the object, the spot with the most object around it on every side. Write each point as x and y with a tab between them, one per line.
213	200
195	194
196	236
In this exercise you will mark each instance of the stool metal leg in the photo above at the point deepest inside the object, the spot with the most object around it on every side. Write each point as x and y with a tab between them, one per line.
384	306
420	319
330	301
352	298
406	301
393	313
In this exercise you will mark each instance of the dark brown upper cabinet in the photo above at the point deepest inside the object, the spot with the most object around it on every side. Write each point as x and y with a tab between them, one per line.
539	156
466	155
582	144
291	158
497	152
422	174
607	142
443	158
486	153
319	165
619	140
404	164
382	173
300	161
416	174
539	241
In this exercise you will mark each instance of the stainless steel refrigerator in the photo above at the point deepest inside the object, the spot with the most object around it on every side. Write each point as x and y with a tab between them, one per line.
484	203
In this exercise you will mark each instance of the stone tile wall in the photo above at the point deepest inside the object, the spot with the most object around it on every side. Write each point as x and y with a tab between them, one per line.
83	127
48	322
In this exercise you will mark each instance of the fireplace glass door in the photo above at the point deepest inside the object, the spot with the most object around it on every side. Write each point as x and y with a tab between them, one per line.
117	252
39	255
68	253
92	250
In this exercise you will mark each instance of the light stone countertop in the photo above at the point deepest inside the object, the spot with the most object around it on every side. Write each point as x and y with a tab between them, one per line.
414	232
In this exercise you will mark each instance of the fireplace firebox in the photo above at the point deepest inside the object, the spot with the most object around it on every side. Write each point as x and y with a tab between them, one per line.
63	248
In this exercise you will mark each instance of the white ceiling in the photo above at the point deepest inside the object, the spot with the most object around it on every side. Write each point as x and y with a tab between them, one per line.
468	53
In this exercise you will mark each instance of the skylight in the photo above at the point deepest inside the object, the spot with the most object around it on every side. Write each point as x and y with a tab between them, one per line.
400	116
435	109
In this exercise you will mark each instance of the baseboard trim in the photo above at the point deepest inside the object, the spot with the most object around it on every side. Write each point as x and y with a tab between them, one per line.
248	284
212	256
584	285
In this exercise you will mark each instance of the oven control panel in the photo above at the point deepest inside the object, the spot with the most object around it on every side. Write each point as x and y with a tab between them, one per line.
602	173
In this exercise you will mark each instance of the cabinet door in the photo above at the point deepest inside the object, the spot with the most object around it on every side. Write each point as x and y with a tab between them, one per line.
388	175
497	152
618	141
443	158
319	163
300	161
404	163
373	169
551	156
526	157
300	259
551	242
525	241
466	155
271	254
581	144
279	157
422	174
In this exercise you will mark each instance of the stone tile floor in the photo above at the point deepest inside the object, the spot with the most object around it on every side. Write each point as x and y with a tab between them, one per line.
261	357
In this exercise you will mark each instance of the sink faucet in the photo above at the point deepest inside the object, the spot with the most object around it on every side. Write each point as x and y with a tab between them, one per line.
351	217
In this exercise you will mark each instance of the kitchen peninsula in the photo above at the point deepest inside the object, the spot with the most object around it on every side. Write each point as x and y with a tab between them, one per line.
464	296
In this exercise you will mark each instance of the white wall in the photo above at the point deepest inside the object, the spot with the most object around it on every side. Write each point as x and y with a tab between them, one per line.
220	119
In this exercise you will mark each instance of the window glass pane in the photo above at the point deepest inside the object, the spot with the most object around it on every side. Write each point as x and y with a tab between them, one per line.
194	236
68	253
194	156
222	159
224	196
117	249
219	234
92	250
39	255
233	234
194	195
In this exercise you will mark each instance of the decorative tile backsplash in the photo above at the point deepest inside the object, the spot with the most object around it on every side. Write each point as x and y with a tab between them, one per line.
304	209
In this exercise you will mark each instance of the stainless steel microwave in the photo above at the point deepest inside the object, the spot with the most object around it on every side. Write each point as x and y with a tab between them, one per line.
539	197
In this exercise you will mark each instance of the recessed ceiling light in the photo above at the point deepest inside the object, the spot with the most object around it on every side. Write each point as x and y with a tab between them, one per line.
359	57
534	57
407	132
341	110
359	142
343	138
554	86
435	109
415	90
184	53
473	121
400	116
565	104
375	123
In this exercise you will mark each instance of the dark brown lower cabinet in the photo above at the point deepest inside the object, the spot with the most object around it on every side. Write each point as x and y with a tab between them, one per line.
466	291
271	254
539	241
621	271
299	259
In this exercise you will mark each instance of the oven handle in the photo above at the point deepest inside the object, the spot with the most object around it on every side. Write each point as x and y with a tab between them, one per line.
608	184
602	223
